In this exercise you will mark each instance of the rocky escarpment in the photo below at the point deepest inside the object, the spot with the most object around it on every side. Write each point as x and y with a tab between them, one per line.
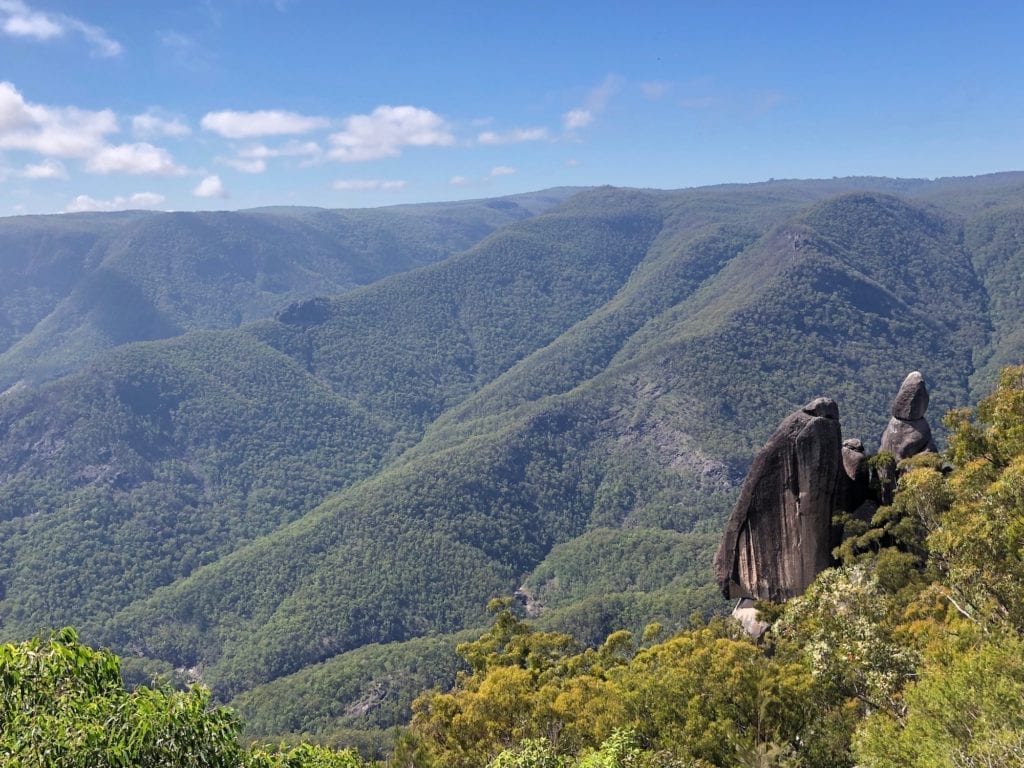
781	533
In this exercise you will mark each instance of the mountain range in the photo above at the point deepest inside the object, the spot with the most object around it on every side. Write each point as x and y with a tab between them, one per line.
293	453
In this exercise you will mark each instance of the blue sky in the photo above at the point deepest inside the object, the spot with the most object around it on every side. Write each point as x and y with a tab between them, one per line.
223	104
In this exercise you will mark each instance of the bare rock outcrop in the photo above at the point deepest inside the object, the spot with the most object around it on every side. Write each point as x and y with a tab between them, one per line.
909	432
854	482
778	537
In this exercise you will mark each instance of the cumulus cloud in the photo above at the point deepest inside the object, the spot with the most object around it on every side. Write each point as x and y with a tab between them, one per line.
51	131
48	169
17	19
352	185
150	125
386	131
458	181
134	158
138	200
248	125
502	170
596	102
211	186
515	136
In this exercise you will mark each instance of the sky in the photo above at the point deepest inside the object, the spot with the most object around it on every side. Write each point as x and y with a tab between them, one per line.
228	104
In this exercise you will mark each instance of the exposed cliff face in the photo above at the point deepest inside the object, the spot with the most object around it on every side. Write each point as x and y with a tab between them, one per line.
779	535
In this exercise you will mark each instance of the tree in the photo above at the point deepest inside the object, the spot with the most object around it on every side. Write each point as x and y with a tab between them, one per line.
64	706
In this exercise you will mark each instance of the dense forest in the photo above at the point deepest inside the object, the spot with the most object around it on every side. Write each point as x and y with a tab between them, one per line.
318	445
911	653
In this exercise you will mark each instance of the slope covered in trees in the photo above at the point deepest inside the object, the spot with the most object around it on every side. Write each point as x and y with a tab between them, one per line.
72	286
909	653
577	395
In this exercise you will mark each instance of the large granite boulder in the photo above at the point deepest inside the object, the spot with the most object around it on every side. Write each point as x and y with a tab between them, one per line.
854	481
908	432
779	536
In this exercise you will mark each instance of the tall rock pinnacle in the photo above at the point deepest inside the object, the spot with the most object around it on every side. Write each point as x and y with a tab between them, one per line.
778	537
908	432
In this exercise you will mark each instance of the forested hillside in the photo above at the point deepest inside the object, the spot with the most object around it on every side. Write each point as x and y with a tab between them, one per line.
74	285
566	406
908	652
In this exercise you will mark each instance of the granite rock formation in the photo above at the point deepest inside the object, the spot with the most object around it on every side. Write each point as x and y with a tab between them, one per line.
908	432
854	482
778	537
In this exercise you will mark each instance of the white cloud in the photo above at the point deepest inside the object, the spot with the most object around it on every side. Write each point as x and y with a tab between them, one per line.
385	131
458	181
502	170
515	136
21	21
48	169
596	102
288	149
572	163
17	19
51	131
245	166
577	118
138	200
248	125
134	158
352	185
211	186
253	158
150	124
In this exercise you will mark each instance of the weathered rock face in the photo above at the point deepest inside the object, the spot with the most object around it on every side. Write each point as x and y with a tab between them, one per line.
855	494
909	432
912	400
778	537
853	458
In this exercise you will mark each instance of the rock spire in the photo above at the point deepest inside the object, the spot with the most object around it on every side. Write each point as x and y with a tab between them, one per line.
778	537
908	432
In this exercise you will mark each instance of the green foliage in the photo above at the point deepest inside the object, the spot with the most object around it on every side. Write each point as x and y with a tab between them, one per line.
64	706
699	698
355	695
303	756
